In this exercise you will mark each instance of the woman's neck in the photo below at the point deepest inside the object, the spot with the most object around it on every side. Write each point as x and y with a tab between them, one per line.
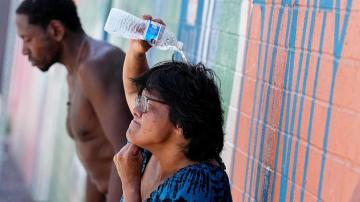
170	161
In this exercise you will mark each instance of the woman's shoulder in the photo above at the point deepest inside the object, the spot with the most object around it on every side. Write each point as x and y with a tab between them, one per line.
198	182
196	173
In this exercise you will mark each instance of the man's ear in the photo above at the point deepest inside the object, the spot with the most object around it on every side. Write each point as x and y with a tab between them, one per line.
56	30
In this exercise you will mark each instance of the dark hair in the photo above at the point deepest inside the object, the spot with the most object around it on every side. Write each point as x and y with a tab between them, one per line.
195	104
41	12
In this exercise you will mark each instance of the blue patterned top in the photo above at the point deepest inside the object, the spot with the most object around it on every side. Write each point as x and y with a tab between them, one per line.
198	182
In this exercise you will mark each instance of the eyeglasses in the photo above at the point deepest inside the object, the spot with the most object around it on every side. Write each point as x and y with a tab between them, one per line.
142	101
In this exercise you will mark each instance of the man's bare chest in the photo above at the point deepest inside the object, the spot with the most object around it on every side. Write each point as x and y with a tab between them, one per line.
81	117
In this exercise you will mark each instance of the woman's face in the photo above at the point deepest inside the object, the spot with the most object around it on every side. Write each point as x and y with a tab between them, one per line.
151	124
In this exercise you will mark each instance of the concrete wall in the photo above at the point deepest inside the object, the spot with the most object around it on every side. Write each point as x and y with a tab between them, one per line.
289	75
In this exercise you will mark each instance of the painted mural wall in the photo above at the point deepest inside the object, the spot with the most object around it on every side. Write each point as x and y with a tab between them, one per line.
297	116
289	75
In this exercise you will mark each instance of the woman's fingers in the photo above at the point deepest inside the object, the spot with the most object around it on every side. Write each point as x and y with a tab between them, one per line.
147	17
128	163
129	154
159	21
134	150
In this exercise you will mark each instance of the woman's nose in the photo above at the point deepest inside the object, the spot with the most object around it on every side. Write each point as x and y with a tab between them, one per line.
137	111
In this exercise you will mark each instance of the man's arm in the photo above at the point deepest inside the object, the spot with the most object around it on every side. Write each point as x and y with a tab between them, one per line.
92	193
101	81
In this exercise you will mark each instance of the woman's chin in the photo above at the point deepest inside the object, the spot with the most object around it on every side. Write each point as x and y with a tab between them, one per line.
129	135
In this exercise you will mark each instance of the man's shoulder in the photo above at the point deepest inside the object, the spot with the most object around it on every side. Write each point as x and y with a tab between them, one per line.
109	51
103	52
103	65
102	61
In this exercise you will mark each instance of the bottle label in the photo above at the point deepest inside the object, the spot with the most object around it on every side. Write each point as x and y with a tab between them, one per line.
152	32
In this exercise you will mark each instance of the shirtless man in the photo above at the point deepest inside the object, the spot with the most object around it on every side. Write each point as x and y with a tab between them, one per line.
98	116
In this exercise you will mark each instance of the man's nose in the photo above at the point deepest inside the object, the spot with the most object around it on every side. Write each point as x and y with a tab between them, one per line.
25	49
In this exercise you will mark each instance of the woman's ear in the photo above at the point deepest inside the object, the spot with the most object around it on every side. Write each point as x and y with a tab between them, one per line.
179	134
179	129
56	30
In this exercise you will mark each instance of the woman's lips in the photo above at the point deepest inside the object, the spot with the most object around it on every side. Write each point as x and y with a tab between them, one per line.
135	122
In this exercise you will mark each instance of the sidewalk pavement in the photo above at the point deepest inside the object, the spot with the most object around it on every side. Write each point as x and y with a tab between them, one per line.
12	188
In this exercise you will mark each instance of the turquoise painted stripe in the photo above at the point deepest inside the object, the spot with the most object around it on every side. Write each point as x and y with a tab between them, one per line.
310	37
253	112
291	56
263	12
339	38
237	126
295	101
263	76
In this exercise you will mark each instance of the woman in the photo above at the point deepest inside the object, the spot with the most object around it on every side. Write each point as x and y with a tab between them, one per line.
176	135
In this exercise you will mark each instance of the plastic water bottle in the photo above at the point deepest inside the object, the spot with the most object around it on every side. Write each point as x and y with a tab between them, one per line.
123	24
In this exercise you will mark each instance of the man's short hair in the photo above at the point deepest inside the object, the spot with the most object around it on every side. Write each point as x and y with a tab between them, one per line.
195	105
41	12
